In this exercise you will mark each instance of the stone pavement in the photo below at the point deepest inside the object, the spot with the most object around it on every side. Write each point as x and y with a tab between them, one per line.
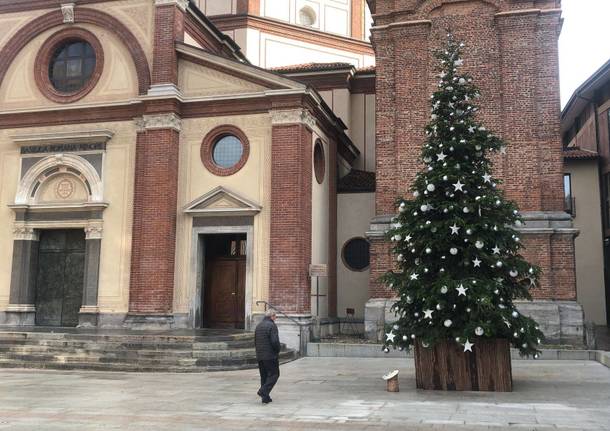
312	394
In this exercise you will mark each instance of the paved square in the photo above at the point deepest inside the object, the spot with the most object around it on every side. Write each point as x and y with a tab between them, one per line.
312	394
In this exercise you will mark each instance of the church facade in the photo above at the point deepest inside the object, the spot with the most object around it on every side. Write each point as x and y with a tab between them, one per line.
167	164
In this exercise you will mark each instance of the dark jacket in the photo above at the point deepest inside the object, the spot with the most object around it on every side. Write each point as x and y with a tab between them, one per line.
266	340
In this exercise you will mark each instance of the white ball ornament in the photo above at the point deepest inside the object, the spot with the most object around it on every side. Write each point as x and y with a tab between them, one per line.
513	273
409	300
405	338
479	331
438	306
479	244
427	159
515	335
453	251
424	208
445	177
431	187
468	231
398	237
466	210
447	323
444	289
428	250
531	270
416	314
413	336
400	258
468	310
499	264
515	314
415	194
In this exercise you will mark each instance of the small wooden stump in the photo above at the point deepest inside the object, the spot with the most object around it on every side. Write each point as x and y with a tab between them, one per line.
447	367
392	381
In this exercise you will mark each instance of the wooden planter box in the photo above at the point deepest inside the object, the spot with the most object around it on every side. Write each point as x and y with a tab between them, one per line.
447	367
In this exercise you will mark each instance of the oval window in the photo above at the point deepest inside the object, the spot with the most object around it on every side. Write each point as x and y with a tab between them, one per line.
356	254
227	151
319	162
71	66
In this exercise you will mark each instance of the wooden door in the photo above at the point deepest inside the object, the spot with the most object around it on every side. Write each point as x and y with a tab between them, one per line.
59	282
224	293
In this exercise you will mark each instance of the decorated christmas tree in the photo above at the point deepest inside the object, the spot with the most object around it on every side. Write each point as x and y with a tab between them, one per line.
458	267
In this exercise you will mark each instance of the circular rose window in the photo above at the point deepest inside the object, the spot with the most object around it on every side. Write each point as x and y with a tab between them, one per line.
225	150
69	65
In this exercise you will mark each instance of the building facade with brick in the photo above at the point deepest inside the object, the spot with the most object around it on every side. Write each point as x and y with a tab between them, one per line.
187	162
585	125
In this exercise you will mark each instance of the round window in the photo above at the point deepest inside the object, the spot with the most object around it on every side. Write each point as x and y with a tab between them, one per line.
307	16
319	162
227	151
72	66
356	254
69	65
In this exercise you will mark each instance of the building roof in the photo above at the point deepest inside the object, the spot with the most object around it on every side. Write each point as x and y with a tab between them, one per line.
576	153
312	67
583	95
357	182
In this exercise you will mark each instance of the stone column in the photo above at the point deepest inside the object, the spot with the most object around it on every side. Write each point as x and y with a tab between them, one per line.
88	314
22	309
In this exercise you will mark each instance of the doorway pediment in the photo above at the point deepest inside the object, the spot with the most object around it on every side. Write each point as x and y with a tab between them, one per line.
221	202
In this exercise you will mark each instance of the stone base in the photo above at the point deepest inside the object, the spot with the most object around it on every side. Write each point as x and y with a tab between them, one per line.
19	318
292	335
562	322
148	322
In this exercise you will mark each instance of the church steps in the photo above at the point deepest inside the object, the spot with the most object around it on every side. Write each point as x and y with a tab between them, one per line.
130	351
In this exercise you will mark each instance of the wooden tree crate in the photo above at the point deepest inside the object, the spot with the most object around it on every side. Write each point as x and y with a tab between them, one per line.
447	367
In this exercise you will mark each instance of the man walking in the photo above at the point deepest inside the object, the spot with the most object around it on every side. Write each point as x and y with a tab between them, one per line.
267	344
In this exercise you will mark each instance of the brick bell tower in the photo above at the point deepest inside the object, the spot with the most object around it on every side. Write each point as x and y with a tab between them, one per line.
511	51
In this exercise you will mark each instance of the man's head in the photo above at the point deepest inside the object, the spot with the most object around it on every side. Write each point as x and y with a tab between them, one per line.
271	314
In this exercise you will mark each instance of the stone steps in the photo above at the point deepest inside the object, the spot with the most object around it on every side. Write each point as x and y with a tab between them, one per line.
130	351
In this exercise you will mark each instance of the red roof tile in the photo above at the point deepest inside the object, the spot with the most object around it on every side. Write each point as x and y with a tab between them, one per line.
575	153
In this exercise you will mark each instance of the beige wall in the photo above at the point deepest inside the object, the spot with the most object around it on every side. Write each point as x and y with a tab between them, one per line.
320	229
589	247
252	182
354	212
357	111
118	174
199	81
18	90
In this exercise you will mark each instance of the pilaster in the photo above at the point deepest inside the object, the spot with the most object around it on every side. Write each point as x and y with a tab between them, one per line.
22	310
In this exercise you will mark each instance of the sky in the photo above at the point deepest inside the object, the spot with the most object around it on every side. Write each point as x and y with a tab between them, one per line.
584	44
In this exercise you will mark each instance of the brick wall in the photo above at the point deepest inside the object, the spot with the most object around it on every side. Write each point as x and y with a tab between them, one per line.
154	222
291	176
514	60
169	28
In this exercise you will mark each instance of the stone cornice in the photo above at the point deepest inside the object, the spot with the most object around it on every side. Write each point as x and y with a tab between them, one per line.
182	4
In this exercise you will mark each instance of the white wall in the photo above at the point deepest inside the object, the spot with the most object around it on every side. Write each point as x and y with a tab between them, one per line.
354	213
332	16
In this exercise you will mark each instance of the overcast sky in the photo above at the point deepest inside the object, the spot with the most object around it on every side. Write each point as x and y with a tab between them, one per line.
584	44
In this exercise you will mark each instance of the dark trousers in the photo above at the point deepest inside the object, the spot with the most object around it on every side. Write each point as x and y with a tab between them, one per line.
270	372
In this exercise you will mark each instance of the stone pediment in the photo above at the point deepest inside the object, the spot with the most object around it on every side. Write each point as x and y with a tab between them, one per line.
221	202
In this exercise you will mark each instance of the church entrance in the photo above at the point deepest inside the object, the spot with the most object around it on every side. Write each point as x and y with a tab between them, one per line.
224	281
59	282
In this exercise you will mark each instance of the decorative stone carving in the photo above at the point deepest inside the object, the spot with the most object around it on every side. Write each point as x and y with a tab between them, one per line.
93	231
24	233
64	189
67	9
293	116
161	121
182	4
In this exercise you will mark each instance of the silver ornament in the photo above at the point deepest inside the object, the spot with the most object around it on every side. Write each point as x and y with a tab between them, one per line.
479	331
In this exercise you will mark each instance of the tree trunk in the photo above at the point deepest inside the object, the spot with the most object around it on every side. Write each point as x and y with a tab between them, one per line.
447	367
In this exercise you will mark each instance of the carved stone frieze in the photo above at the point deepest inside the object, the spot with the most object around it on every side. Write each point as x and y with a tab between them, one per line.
161	121
25	233
293	116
